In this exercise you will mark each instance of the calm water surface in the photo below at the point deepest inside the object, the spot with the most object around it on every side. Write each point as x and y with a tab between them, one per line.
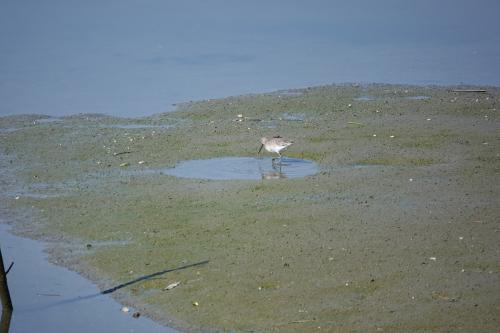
136	58
244	168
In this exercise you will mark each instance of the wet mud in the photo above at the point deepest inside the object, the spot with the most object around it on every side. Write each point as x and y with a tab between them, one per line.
396	230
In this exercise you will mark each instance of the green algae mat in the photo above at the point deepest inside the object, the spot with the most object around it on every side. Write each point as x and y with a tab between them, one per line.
397	231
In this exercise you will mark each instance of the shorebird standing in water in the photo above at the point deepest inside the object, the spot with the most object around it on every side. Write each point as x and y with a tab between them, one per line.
275	145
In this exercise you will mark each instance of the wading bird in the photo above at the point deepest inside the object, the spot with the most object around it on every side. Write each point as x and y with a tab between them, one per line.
274	145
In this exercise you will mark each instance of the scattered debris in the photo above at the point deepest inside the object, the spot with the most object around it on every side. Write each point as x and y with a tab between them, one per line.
442	296
172	285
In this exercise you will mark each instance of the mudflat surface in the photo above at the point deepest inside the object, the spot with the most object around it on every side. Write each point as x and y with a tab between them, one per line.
398	230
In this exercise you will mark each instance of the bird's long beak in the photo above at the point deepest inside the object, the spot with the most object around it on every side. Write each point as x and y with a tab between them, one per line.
260	148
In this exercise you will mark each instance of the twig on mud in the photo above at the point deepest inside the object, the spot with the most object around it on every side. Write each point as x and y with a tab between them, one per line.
355	123
123	152
300	321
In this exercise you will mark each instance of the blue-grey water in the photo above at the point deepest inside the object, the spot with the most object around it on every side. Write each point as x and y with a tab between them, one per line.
244	168
136	58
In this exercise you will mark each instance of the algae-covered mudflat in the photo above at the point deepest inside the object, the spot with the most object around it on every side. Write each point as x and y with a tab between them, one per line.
397	231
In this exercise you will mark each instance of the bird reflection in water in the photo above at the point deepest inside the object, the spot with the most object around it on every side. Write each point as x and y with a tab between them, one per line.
276	173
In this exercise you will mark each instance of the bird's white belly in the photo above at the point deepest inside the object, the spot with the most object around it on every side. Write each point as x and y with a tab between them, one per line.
274	149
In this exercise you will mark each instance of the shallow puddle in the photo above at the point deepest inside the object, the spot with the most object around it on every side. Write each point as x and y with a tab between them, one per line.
364	98
293	117
419	98
226	168
48	120
136	126
367	98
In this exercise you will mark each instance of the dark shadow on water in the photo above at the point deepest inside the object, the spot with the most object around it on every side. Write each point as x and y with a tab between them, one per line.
117	287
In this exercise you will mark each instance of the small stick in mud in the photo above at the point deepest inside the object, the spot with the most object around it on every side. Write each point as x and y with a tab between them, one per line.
123	152
355	123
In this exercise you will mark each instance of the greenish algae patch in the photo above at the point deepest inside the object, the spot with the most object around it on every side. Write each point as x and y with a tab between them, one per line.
397	232
397	160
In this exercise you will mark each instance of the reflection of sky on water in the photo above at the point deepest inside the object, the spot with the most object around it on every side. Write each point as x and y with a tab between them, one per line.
137	58
244	168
